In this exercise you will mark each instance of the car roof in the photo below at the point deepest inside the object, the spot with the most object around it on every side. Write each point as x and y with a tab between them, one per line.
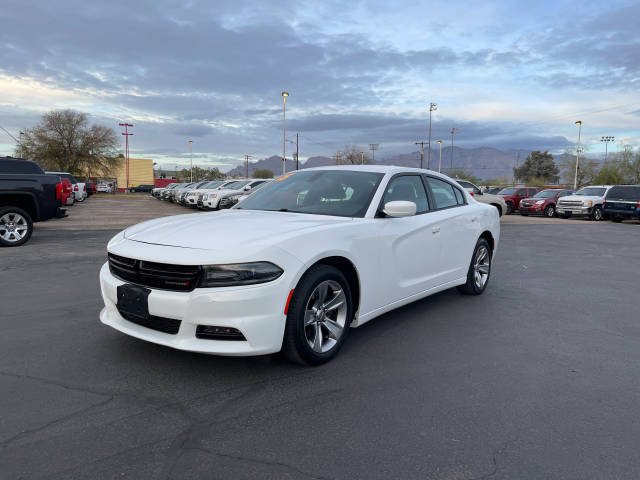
391	169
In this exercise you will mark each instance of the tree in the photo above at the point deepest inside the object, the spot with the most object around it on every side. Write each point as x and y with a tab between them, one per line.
262	173
64	141
464	175
629	164
200	174
611	173
498	182
587	170
352	155
537	165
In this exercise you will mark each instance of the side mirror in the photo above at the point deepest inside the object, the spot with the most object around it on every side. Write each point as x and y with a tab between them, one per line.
247	188
479	192
399	208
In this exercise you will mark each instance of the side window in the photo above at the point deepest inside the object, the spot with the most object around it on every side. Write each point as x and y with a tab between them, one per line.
459	196
443	193
532	192
408	188
521	193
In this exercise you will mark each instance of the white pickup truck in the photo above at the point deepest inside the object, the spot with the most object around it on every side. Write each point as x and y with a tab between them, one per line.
585	202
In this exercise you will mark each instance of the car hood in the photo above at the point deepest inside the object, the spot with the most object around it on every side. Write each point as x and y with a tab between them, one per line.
228	229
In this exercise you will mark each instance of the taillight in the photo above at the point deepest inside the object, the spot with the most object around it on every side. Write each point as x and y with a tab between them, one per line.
471	193
75	187
58	191
67	187
84	188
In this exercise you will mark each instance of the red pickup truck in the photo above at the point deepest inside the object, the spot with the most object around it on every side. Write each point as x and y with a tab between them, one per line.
513	195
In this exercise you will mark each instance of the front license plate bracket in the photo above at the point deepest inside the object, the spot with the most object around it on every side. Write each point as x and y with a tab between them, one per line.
133	300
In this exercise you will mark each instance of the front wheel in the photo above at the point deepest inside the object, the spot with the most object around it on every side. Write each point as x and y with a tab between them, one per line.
318	317
596	214
479	270
550	211
509	208
16	227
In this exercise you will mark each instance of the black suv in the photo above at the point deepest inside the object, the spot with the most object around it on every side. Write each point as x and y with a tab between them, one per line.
621	202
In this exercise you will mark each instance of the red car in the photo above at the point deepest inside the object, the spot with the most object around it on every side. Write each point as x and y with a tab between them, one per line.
513	195
543	203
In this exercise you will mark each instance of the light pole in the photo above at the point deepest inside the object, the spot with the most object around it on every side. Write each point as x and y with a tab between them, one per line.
606	139
440	160
373	147
454	130
126	148
361	158
284	147
191	160
575	178
432	107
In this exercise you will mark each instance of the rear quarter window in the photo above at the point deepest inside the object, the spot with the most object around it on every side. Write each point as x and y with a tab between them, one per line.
14	166
624	193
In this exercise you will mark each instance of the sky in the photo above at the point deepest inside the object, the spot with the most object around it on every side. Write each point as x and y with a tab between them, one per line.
506	74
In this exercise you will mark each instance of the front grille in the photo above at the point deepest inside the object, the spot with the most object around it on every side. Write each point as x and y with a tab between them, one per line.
569	203
200	195
180	278
161	324
526	204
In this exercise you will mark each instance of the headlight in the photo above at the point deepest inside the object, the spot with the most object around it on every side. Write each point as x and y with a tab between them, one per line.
214	195
539	202
235	198
239	274
204	197
587	203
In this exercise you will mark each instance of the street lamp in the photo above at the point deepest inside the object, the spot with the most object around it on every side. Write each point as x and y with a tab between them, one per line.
361	158
606	139
454	130
432	107
191	159
284	116
373	147
575	178
440	160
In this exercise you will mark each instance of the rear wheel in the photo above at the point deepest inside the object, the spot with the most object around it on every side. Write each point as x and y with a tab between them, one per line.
596	214
318	317
550	211
479	270
509	208
16	227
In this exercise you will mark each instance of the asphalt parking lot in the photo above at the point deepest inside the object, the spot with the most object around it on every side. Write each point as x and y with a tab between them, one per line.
537	378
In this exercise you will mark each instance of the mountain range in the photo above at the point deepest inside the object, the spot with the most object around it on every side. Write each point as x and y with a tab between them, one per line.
483	162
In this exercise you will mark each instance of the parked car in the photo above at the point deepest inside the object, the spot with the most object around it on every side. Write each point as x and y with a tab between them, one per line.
67	196
513	195
481	197
182	199
219	198
307	257
166	193
492	190
142	188
622	202
210	188
585	202
104	188
192	196
27	195
91	188
543	203
79	188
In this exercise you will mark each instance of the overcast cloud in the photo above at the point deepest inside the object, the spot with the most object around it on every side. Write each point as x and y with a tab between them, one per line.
506	74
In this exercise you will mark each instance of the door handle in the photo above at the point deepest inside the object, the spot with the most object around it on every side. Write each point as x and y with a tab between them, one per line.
435	230
473	219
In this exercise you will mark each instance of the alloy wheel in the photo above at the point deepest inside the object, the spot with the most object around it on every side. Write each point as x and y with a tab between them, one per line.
325	316
481	267
13	227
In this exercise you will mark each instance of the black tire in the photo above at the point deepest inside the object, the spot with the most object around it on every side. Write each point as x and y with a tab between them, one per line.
596	213
524	214
509	208
550	211
616	219
471	287
295	344
12	214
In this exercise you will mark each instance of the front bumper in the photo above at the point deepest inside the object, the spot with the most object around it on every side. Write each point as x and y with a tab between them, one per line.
257	311
533	209
563	209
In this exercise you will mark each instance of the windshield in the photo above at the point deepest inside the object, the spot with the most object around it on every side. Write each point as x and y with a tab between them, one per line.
591	191
342	193
508	191
546	194
236	185
465	184
211	184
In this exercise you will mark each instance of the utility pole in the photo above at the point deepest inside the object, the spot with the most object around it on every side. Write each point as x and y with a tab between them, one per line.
454	130
246	162
373	147
575	178
361	158
126	148
422	144
191	160
297	150
338	157
440	160
432	107
284	139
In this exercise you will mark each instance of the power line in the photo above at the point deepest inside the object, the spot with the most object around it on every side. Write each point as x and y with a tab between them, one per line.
9	133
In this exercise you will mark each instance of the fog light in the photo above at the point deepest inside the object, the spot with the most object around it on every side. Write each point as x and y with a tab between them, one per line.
218	333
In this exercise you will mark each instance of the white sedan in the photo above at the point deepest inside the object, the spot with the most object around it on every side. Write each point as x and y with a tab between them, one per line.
297	263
